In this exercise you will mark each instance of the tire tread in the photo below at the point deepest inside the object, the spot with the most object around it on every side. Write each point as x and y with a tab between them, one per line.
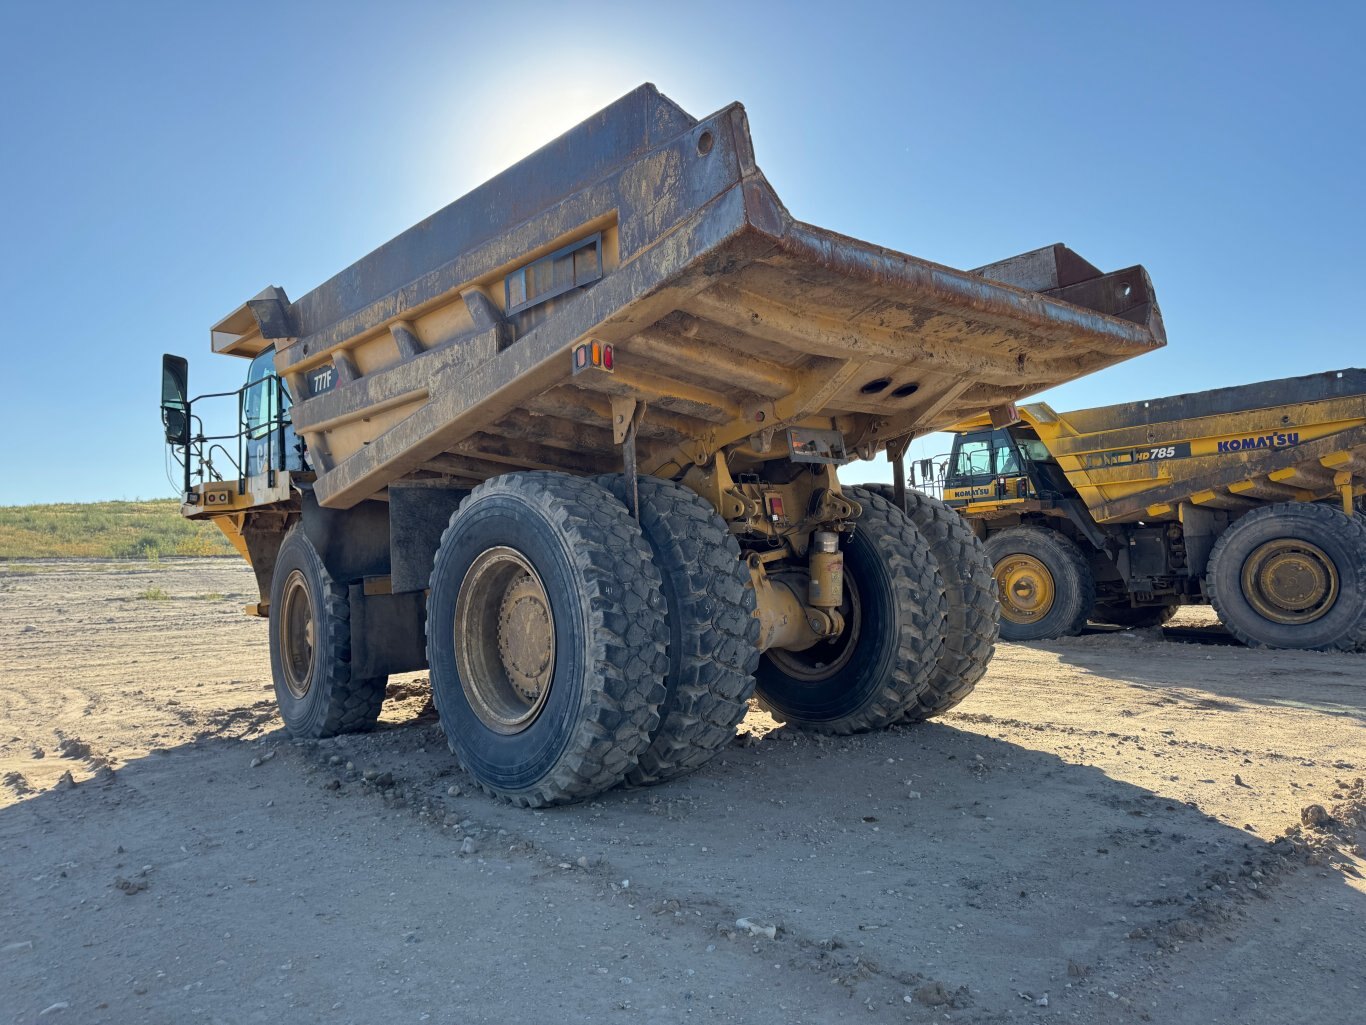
711	673
920	639
972	611
1354	530
624	687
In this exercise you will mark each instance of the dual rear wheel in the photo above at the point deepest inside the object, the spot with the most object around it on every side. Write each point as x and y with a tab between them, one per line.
883	664
971	612
1292	575
639	638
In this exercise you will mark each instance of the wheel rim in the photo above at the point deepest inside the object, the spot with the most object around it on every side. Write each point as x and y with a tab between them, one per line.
504	640
825	659
296	634
1025	588
1290	581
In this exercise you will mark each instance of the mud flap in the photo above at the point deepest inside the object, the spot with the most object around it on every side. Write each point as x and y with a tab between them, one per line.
388	632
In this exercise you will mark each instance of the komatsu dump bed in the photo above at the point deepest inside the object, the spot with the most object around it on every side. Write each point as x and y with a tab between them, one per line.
643	257
1297	439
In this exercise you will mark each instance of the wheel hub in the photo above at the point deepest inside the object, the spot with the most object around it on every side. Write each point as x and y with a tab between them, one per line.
826	658
1025	588
1290	581
504	640
295	624
525	637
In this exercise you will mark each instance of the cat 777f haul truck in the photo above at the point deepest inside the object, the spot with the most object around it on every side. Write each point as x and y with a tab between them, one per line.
1245	497
571	443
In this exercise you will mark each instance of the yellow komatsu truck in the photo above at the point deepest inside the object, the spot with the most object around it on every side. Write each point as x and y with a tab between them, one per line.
571	445
1248	498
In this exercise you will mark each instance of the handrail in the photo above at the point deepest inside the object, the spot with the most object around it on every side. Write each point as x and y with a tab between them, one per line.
197	450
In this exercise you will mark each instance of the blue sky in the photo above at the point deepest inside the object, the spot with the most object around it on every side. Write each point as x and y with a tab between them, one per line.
161	163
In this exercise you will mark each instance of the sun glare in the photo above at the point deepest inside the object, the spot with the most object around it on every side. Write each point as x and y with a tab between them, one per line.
516	111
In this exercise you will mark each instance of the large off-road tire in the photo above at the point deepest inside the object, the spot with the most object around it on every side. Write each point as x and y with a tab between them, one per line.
1292	575
1361	518
1043	583
883	663
713	633
971	613
310	648
545	638
1128	616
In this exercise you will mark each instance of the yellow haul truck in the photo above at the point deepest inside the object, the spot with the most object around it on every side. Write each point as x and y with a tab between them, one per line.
1244	497
571	443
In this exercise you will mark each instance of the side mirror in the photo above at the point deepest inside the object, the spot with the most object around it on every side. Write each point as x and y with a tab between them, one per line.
927	469
175	402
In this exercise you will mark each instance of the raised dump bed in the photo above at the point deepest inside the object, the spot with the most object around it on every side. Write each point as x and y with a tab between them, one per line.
1245	497
448	351
632	302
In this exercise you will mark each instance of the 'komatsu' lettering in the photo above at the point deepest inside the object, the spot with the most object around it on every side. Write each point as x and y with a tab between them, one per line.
1260	441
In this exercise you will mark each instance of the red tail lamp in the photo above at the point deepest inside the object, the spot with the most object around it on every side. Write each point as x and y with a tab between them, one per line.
593	354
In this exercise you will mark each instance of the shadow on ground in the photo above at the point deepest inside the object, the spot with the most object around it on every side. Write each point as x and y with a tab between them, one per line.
1333	683
900	869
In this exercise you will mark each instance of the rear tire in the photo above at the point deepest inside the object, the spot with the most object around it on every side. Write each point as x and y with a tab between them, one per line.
972	613
1292	575
1142	617
882	664
713	633
545	638
1043	583
310	648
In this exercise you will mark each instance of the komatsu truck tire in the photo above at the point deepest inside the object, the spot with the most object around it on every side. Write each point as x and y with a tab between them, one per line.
1292	575
1043	583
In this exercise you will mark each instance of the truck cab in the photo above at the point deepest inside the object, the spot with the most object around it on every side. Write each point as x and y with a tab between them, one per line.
252	451
991	465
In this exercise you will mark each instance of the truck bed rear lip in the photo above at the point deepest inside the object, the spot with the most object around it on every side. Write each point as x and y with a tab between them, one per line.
924	279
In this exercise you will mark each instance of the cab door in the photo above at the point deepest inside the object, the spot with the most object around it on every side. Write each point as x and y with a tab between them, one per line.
271	443
970	475
1008	466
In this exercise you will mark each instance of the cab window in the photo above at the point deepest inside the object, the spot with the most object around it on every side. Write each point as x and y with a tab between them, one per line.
973	458
261	409
1029	444
1007	455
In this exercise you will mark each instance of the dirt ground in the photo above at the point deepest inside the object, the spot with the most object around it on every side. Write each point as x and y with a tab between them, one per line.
1108	830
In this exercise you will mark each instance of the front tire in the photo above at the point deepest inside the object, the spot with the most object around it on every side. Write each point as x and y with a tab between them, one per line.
1292	575
883	663
310	648
545	638
1043	583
